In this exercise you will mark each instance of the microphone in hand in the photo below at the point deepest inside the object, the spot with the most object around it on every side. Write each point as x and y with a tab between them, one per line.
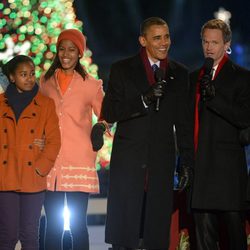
159	77
155	92
207	91
207	88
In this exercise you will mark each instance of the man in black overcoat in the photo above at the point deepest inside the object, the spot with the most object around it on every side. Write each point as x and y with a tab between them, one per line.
148	110
221	108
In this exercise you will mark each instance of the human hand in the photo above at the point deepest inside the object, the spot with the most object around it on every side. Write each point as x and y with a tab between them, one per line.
153	93
39	143
207	91
185	178
96	136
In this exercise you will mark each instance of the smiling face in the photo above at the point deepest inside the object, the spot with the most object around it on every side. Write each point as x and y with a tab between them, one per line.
156	42
24	76
213	44
68	55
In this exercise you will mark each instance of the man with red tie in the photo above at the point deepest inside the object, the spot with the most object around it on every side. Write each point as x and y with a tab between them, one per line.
221	105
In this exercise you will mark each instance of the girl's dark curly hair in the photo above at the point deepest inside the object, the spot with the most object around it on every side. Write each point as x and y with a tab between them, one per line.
11	66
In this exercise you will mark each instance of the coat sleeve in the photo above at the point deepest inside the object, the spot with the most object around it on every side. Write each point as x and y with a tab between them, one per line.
98	98
121	101
184	123
47	158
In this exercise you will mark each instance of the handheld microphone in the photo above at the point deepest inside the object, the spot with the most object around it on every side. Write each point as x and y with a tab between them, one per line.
159	77
207	76
208	66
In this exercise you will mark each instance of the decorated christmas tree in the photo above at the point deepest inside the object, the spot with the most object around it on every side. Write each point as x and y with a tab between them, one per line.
31	27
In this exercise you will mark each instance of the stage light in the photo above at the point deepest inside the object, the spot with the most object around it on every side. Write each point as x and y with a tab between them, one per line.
223	15
66	217
239	49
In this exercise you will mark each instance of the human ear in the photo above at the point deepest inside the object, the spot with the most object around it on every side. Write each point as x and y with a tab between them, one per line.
12	80
142	41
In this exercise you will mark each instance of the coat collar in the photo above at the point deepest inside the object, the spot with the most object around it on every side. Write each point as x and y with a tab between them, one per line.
225	76
30	111
139	72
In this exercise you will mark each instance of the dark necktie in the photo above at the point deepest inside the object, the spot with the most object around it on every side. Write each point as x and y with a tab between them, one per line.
154	67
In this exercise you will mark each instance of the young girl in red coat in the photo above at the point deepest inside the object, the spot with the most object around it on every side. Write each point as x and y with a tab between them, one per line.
26	116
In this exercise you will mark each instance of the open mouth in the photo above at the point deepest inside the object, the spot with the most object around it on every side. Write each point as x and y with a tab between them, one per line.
65	61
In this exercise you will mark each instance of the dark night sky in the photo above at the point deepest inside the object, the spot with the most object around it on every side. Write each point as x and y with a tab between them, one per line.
112	27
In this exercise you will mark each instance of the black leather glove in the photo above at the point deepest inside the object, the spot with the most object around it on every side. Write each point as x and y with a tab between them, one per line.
97	136
153	93
185	177
207	90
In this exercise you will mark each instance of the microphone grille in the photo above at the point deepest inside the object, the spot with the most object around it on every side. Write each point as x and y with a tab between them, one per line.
208	65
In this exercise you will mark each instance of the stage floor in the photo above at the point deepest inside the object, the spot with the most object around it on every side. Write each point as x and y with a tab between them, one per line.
96	220
96	239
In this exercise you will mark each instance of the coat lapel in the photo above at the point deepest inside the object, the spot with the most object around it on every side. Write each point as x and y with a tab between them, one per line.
170	73
139	73
227	73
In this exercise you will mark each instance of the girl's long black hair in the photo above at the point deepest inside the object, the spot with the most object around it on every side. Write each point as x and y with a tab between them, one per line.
56	64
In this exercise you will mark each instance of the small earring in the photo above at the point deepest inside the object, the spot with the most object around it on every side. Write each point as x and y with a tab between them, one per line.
229	50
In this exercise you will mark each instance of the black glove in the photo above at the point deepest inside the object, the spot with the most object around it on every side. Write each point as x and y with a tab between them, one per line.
97	136
207	90
185	178
154	92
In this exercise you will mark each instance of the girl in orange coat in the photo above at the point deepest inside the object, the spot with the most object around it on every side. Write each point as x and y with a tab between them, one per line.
25	115
77	95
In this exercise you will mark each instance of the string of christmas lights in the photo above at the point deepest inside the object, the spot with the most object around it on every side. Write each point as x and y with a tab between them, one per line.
31	27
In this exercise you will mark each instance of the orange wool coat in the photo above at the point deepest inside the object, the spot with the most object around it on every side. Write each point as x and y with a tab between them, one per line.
20	159
75	166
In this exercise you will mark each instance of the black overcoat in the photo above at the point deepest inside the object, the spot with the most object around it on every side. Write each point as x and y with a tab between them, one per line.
144	142
220	162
